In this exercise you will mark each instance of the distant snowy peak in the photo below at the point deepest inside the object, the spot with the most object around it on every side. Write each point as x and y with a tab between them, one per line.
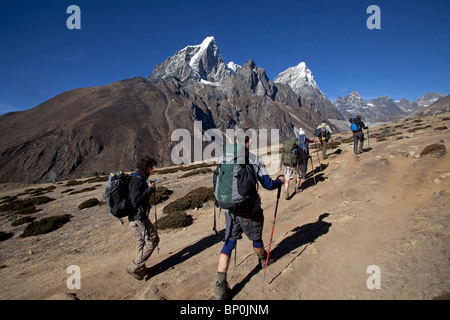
302	82
424	101
195	63
428	99
297	77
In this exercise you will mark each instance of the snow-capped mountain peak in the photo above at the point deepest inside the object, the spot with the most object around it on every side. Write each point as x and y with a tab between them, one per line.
195	63
298	78
195	53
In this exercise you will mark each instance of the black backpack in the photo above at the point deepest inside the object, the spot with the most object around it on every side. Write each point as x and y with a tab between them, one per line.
117	194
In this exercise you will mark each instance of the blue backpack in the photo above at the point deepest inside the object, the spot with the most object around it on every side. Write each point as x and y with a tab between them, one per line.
302	142
355	124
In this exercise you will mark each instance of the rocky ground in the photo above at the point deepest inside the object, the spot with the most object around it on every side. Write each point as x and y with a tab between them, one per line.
387	207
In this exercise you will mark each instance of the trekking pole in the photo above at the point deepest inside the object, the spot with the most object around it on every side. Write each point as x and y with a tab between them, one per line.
273	227
317	152
313	171
156	219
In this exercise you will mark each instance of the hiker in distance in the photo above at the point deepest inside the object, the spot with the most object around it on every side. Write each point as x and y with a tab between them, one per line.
243	217
300	153
323	132
357	126
144	232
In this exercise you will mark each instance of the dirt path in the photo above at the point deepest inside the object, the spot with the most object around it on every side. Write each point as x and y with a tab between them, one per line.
387	207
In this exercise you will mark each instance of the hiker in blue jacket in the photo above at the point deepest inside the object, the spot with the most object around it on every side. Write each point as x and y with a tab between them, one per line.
247	218
358	135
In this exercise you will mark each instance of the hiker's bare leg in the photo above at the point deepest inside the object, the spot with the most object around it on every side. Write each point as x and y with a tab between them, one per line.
259	251
224	262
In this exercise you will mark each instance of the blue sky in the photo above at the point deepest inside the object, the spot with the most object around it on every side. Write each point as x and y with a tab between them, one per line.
408	57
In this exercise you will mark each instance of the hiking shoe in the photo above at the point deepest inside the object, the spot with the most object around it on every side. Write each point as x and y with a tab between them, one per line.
222	291
297	189
286	194
262	260
137	275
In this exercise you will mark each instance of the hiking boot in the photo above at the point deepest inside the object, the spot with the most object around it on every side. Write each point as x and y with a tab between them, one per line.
359	151
297	189
222	291
286	194
135	274
262	260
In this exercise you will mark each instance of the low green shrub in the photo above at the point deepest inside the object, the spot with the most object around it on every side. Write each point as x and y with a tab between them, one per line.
25	206
435	149
83	190
88	203
161	195
45	225
175	220
5	235
21	221
192	200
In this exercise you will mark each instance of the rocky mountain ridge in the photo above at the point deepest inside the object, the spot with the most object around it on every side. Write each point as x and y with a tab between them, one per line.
104	129
382	109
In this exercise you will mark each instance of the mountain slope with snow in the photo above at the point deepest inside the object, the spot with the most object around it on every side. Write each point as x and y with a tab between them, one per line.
302	82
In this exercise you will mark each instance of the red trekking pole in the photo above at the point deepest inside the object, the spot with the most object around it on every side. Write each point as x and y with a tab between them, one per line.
273	227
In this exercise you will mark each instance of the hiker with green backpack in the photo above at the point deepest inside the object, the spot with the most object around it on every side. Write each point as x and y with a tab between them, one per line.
235	188
294	156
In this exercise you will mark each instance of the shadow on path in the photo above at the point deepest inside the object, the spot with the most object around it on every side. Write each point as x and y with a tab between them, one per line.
303	235
185	254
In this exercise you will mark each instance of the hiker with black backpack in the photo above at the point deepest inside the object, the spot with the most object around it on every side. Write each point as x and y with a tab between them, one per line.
357	126
323	132
144	232
235	180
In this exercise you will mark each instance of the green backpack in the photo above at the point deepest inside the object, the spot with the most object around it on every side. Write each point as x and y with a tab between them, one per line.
234	178
289	154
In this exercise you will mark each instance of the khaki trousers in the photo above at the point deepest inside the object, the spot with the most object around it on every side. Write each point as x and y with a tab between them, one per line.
146	239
